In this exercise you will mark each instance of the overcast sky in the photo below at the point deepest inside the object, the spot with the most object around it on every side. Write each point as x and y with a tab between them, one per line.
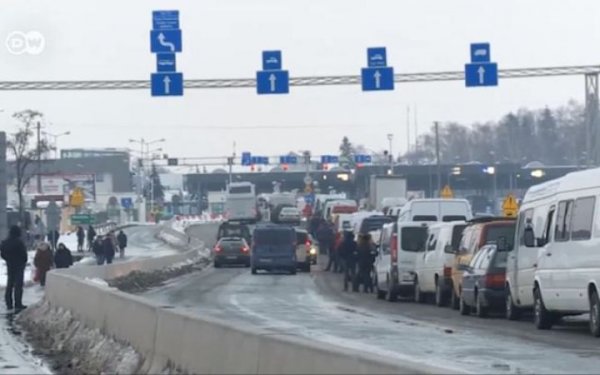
109	39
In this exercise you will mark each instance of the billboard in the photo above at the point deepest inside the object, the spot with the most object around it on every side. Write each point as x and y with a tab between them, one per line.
64	184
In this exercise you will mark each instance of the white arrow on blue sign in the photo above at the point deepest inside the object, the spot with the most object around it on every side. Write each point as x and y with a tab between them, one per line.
165	41
481	74
167	84
272	82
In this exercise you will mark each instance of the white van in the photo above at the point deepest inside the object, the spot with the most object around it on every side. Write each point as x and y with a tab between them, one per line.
567	275
436	209
401	244
522	260
434	267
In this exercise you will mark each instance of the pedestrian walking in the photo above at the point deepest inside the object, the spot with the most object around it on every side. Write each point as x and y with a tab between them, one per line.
108	246
43	261
122	240
80	238
63	257
326	237
14	253
53	236
349	255
98	249
91	235
366	258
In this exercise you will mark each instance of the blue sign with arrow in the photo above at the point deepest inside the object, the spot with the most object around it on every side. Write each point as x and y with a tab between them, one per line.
165	62
165	41
127	203
272	82
246	159
481	72
167	84
377	76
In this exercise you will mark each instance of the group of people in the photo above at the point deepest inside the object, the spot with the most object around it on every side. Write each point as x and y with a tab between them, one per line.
106	247
353	258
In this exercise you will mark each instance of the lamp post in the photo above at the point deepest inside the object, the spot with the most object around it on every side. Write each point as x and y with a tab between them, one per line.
390	138
55	143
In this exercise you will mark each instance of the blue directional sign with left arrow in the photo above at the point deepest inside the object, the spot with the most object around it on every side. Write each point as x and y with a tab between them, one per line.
165	41
481	71
272	80
377	76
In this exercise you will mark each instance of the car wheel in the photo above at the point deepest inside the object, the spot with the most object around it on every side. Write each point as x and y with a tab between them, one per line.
463	308
595	314
454	300
253	271
391	295
480	310
440	297
541	317
419	297
512	311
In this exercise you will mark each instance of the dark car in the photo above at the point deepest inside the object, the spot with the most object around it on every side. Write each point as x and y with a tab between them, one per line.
231	250
483	285
234	229
274	248
375	222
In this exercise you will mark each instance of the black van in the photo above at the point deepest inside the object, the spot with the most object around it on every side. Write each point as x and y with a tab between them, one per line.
273	248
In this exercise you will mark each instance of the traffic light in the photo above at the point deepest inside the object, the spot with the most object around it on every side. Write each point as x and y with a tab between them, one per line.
172	161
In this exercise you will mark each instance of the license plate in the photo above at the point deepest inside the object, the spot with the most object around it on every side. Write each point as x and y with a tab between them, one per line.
232	257
266	260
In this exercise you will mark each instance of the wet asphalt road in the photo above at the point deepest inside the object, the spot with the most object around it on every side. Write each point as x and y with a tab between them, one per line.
313	306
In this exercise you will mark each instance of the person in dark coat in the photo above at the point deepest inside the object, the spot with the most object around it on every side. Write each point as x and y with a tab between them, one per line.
14	252
366	257
108	247
98	249
122	240
63	257
349	255
91	235
80	238
43	261
326	237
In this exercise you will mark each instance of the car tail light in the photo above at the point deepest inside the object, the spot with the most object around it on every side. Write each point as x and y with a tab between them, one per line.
218	249
245	249
308	243
394	248
447	272
495	280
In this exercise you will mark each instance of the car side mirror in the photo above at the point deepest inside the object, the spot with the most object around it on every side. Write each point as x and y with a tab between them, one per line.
449	249
529	237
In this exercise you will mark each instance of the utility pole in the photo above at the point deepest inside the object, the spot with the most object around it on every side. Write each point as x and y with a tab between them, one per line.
407	129
307	179
230	164
39	157
390	138
437	158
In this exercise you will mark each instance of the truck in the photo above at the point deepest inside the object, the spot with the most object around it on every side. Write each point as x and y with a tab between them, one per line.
384	187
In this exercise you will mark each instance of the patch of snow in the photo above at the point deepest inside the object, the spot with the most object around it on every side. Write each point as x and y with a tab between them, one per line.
97	281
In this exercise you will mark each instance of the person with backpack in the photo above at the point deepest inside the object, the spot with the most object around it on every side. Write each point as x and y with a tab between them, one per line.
14	253
366	254
108	247
80	238
349	254
122	240
63	257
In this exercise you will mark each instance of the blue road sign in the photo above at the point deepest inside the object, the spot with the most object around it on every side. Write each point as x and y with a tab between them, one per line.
165	41
246	158
264	160
271	60
481	74
329	159
288	159
167	84
309	199
376	57
127	203
377	79
362	159
254	160
273	82
165	62
165	19
480	52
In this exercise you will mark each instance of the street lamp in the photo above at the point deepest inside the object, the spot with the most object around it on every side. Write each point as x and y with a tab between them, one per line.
390	137
55	143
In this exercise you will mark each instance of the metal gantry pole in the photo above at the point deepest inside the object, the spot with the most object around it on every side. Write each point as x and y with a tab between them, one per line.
437	158
592	124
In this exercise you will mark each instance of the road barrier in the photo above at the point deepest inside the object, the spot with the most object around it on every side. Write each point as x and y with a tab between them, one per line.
165	336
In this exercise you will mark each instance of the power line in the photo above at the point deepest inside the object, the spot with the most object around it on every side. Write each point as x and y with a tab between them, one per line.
294	81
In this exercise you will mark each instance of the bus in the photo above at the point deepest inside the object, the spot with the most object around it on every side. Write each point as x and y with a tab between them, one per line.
240	202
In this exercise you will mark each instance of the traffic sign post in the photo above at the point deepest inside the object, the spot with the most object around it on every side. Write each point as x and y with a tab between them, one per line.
165	41
330	159
127	203
81	219
377	76
272	79
510	207
362	159
77	198
447	192
246	159
481	71
288	159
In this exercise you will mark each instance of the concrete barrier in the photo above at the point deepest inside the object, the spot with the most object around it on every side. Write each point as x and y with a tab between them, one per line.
195	344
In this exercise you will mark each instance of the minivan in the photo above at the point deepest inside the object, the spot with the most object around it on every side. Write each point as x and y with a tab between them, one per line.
400	245
436	209
273	248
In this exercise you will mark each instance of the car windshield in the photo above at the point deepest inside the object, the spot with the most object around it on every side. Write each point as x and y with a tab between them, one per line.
424	218
413	238
457	236
273	237
454	218
374	223
231	243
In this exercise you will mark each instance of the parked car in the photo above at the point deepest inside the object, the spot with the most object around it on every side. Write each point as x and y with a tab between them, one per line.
231	250
477	233
306	250
434	267
273	248
484	279
435	210
400	245
289	215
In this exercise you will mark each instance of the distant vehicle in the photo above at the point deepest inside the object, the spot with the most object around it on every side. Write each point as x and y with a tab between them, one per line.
373	223
388	203
483	281
231	250
434	269
274	248
384	187
394	211
346	206
401	244
240	202
234	229
306	250
289	215
477	234
431	210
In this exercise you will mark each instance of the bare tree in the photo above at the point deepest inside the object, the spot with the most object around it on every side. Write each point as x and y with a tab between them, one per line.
25	151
